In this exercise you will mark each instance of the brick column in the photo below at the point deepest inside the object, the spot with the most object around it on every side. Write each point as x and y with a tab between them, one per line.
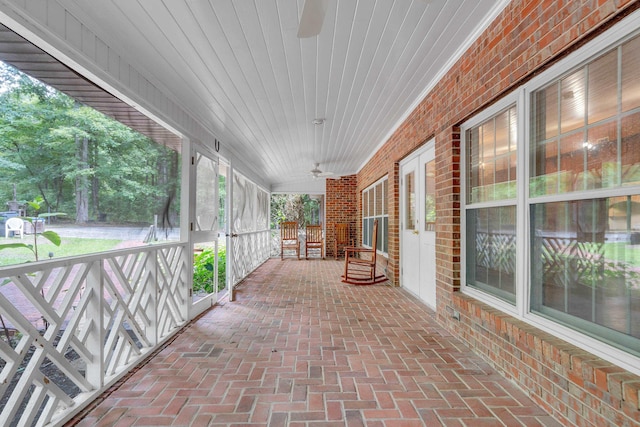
341	207
448	218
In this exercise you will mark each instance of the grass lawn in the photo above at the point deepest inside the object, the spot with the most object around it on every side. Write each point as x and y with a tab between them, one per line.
623	252
70	246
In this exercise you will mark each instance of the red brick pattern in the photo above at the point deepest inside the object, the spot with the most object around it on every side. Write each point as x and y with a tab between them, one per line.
577	387
300	348
342	203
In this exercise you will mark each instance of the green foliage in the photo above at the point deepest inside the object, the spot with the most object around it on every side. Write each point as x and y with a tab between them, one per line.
50	144
294	207
203	269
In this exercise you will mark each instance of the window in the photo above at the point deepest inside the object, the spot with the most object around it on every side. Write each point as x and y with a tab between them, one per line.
491	150
374	206
430	196
558	244
491	158
585	206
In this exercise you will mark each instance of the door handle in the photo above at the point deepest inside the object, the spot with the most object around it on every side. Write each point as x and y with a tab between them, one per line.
416	232
234	235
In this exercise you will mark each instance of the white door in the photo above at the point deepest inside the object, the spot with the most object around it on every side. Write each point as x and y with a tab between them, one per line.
409	227
204	229
417	235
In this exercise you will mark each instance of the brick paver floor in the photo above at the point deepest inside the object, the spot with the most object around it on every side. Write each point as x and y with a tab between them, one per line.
300	348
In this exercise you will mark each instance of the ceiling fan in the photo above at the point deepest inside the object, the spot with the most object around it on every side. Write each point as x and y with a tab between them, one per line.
313	13
317	173
312	17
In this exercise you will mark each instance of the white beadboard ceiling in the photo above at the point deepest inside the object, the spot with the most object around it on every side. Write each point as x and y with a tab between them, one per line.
238	67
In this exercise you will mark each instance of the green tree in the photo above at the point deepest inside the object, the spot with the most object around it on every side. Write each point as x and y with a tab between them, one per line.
32	159
294	207
79	160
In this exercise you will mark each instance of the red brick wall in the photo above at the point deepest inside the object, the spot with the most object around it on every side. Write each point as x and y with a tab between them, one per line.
527	37
342	206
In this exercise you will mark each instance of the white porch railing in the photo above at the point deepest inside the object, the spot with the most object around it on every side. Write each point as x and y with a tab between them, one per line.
79	324
249	251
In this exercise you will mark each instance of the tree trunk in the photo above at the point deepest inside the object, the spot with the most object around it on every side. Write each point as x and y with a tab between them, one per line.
82	181
95	184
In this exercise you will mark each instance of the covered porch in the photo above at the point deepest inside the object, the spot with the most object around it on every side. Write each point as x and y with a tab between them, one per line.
298	347
417	116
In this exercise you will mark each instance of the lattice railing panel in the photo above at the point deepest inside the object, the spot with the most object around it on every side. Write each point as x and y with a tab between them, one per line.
249	251
275	243
128	285
171	281
496	251
567	260
75	325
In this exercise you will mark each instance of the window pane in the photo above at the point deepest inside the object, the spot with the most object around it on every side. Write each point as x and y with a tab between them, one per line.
371	202
491	251
545	113
602	154
489	150
630	75
365	204
544	169
410	202
630	149
473	165
513	130
585	263
513	162
366	237
370	231
206	203
374	206
488	140
603	87
384	197
385	236
572	164
487	179
572	99
430	196
502	134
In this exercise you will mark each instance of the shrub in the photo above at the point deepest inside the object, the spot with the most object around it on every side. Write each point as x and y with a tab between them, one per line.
203	266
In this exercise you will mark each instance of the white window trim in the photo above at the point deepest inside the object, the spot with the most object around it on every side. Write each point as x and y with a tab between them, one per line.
514	98
623	31
378	182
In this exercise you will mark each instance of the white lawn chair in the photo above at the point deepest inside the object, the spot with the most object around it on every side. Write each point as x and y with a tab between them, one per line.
15	225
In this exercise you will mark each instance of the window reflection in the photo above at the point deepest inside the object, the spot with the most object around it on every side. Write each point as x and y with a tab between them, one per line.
430	196
491	255
375	206
585	262
491	158
410	202
591	141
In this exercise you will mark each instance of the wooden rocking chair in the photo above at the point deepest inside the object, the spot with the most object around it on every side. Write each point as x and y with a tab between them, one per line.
360	263
289	239
342	238
314	240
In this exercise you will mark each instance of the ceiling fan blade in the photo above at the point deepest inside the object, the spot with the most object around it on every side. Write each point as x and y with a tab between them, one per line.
316	172
312	18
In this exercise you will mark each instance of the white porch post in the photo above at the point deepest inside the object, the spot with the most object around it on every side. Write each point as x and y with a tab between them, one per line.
186	220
